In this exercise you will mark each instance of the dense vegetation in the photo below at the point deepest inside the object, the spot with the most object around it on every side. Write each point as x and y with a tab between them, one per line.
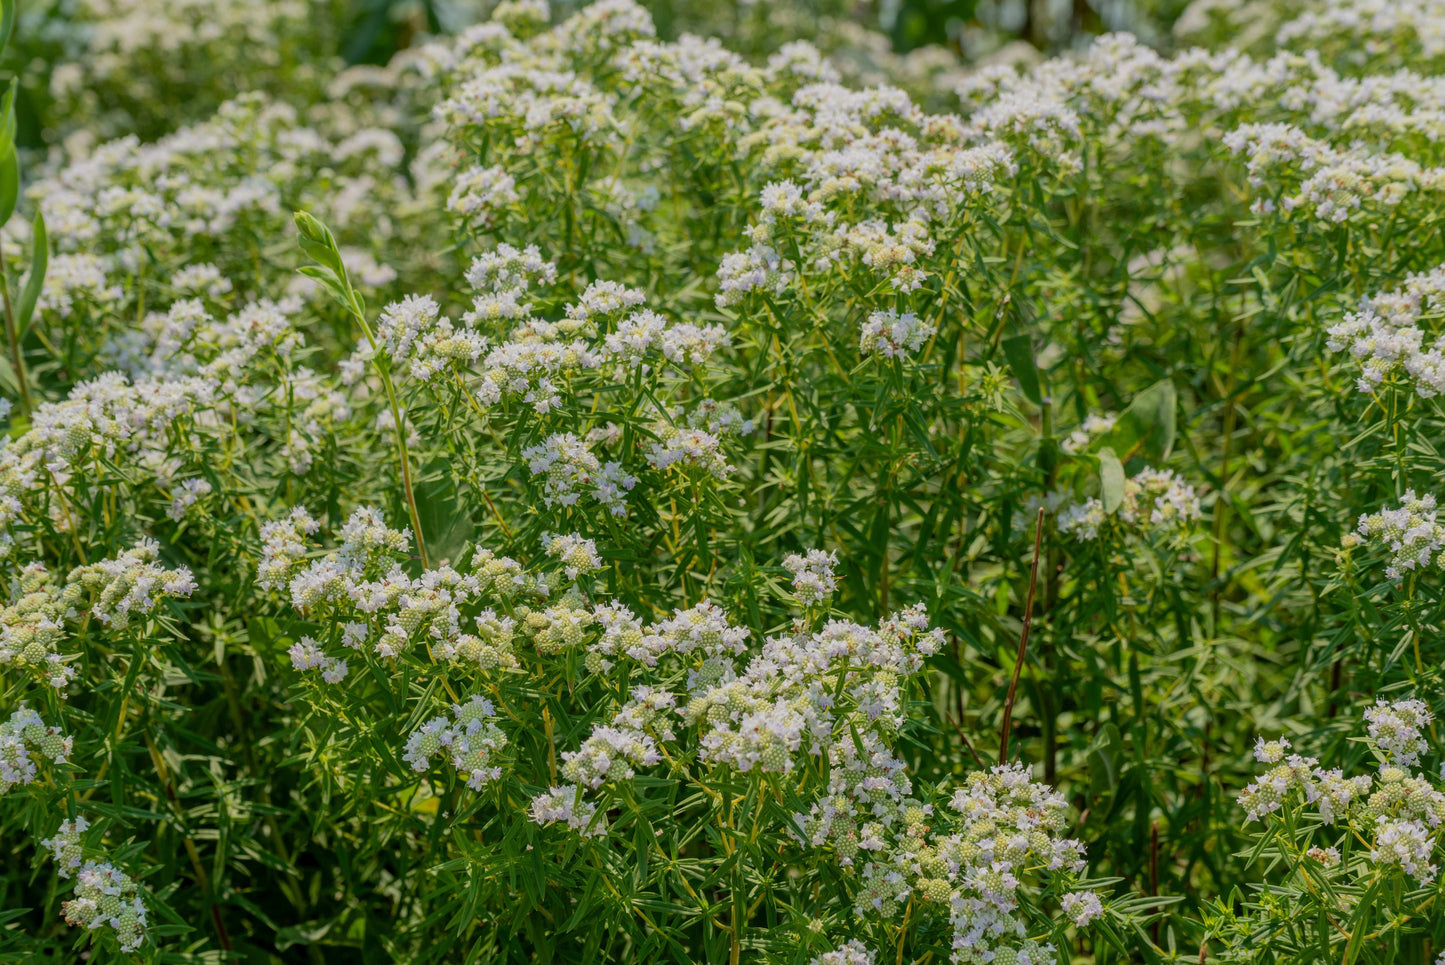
694	484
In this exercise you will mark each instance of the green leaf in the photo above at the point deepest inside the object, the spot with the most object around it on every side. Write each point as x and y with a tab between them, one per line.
446	524
1104	755
7	22
9	184
328	280
1146	428
1020	355
35	281
7	118
1111	479
317	933
318	243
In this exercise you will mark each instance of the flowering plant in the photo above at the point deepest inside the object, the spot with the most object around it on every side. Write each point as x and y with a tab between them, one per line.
626	484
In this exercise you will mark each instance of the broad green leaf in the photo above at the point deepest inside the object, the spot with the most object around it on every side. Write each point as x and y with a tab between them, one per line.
1146	428
1111	479
1020	355
446	524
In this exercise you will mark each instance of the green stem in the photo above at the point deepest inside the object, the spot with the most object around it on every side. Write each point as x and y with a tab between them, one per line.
318	242
1013	686
396	417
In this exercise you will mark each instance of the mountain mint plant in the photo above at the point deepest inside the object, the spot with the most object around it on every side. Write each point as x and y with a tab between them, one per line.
688	482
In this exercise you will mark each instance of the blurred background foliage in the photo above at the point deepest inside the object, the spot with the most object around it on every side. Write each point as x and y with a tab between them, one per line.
971	28
881	38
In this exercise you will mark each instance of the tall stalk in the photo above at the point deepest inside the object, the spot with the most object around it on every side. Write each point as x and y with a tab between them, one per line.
317	241
1013	685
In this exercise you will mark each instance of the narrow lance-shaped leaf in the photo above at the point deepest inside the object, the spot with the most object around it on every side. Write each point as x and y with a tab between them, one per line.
35	281
9	162
9	184
7	119
7	23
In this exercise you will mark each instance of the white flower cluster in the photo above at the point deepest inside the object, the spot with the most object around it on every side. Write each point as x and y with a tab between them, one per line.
1405	844
565	805
306	654
367	545
371	605
827	690
123	59
1156	502
489	648
968	865
557	629
1331	184
72	278
503	277
32	624
105	896
878	174
1092	428
1329	790
759	268
421	341
605	331
1398	812
691	449
126	423
1396	729
65	847
1318	144
812	576
893	335
846	176
24	736
186	337
578	555
569	470
849	953
836	692
1410	532
482	193
188	493
804	688
1082	907
129	584
695	443
284	547
245	361
612	753
362	578
1381	27
201	279
32	621
702	629
470	739
1386	336
214	187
